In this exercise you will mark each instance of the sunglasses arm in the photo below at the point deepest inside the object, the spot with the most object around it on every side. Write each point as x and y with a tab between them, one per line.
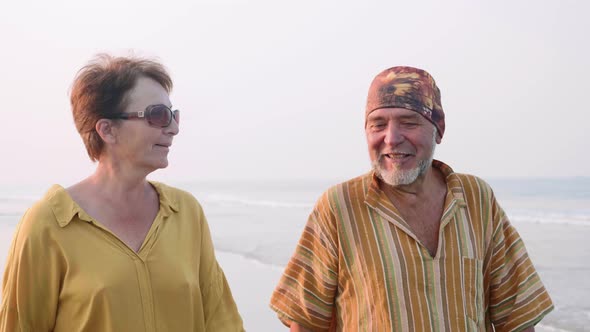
134	115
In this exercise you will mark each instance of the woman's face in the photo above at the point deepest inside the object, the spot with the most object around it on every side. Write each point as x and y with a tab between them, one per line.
139	145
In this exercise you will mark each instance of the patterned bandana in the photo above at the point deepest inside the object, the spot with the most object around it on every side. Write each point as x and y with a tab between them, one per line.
409	88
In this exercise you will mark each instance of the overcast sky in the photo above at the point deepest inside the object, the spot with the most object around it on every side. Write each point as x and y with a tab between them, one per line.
276	89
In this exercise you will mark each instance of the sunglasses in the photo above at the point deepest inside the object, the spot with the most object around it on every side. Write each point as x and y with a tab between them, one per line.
159	115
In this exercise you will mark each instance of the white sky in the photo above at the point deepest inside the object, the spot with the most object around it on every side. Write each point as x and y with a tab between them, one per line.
276	89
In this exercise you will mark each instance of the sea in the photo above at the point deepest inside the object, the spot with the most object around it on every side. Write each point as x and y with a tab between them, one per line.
262	221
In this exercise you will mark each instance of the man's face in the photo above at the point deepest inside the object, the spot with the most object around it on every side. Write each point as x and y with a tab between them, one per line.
401	144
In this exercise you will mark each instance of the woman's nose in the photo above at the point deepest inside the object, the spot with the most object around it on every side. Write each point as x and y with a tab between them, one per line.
173	128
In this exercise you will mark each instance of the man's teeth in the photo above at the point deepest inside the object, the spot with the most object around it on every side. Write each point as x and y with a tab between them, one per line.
396	155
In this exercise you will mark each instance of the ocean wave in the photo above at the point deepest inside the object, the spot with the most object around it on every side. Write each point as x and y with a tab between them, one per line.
228	200
25	198
562	219
549	328
14	206
577	217
251	256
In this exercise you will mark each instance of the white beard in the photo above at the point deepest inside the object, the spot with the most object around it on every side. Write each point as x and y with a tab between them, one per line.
404	177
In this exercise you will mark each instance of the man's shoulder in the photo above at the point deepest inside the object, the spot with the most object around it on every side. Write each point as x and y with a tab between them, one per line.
361	182
475	191
349	190
461	181
468	182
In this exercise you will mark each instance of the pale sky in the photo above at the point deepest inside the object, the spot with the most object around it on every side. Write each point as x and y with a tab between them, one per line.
276	89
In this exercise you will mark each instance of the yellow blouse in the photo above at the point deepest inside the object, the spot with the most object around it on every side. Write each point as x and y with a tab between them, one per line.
67	272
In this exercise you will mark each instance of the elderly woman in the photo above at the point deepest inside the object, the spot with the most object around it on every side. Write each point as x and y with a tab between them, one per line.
117	252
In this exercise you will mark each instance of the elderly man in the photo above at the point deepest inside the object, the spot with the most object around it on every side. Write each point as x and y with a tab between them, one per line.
411	245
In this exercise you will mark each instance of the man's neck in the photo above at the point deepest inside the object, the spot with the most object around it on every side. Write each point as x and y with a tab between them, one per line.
425	188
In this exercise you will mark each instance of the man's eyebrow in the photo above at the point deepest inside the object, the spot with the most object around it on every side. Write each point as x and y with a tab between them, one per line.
413	116
375	117
410	116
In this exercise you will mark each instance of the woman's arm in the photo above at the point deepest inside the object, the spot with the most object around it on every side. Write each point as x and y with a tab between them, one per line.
31	285
219	307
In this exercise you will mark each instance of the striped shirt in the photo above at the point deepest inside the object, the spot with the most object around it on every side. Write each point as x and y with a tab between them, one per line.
359	267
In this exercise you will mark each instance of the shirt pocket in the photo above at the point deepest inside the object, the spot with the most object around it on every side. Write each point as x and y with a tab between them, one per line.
473	290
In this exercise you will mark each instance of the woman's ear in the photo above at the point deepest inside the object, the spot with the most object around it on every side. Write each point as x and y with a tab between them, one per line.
106	130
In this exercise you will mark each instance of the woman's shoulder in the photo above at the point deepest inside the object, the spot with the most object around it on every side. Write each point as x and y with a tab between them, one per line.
48	212
174	196
49	203
171	191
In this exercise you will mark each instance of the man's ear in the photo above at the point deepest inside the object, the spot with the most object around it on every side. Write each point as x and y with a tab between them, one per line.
107	130
437	137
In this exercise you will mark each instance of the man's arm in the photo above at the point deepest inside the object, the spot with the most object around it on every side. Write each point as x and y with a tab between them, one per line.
307	290
298	328
517	297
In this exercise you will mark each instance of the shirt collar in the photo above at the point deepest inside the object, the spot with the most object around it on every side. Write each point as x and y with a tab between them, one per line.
65	208
378	200
168	200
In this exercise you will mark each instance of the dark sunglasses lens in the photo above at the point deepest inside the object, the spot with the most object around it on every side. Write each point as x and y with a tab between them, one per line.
159	116
176	116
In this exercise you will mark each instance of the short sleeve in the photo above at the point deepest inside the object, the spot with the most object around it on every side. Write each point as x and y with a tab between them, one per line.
307	289
30	288
219	307
518	298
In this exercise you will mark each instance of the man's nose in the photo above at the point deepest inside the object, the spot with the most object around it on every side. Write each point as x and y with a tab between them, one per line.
393	135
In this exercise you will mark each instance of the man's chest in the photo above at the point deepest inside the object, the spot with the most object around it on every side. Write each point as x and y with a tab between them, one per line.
424	224
390	270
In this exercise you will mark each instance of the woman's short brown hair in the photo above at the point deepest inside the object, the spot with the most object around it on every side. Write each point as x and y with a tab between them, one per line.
99	92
